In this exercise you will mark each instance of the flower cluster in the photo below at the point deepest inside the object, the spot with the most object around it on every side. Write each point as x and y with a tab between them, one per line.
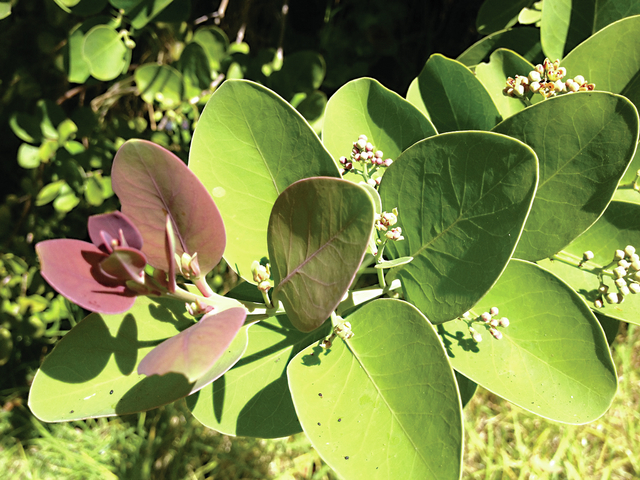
365	153
261	275
386	220
547	80
626	274
490	322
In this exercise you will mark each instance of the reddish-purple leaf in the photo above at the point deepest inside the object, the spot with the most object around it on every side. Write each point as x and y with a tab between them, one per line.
107	226
195	350
72	268
124	264
152	182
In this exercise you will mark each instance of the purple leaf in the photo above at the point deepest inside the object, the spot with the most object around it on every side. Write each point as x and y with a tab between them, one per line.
103	228
151	182
72	267
195	350
125	264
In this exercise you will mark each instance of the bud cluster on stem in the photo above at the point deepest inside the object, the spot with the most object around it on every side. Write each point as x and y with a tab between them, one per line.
371	159
490	322
624	268
547	80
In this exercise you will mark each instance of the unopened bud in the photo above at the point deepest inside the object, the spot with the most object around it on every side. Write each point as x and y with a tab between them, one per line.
598	303
613	298
504	322
634	287
497	334
579	79
620	272
534	87
494	311
629	250
260	272
534	76
588	255
619	255
621	282
624	290
486	317
494	322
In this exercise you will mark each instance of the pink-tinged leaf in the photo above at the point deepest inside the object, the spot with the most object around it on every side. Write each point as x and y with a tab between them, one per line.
108	226
170	252
195	350
72	268
124	264
152	182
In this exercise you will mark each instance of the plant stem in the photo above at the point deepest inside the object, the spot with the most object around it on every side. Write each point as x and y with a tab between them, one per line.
575	261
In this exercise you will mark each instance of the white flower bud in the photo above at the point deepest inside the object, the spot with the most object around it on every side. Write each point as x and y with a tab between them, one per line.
559	86
624	263
620	272
368	147
477	337
562	72
634	287
572	87
518	90
534	76
534	87
603	288
379	154
588	255
361	143
466	315
486	317
388	162
504	322
621	282
598	303
496	333
372	182
629	250
625	290
579	79
612	297
494	311
635	265
619	255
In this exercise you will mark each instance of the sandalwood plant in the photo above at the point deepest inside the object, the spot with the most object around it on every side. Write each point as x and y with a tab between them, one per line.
422	247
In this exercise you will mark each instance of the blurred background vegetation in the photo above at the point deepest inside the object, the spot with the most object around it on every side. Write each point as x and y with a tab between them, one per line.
67	103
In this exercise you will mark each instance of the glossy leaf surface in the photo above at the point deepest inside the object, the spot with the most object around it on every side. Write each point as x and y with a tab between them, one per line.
553	359
248	147
253	398
564	25
152	182
462	201
454	97
584	142
524	40
493	75
384	404
618	227
364	106
92	371
318	234
105	52
195	350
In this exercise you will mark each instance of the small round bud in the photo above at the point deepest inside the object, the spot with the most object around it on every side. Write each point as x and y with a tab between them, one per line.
613	298
363	137
518	90
540	69
504	322
361	144
635	265
369	147
579	79
588	255
343	160
494	322
624	263
620	272
477	337
388	162
466	315
534	87
559	86
629	250
379	154
572	87
603	288
494	311
598	303
534	76
624	290
496	333
621	282
486	317
634	287
619	255
372	182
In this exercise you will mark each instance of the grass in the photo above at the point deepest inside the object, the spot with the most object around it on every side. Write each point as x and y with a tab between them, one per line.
502	441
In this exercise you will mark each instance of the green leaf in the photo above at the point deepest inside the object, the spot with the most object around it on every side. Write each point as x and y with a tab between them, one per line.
462	201
618	227
528	16
564	25
91	372
318	234
467	388
26	127
93	191
610	59
28	156
609	11
5	9
160	83
253	398
215	44
364	106
584	142
454	97
385	403
493	75
553	359
248	147
145	11
105	52
66	201
312	109
194	66
49	192
524	40
496	15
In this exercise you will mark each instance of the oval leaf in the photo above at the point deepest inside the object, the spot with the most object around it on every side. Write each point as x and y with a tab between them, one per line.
160	83
248	147
553	359
364	106
253	398
91	372
318	234
194	351
564	25
584	142
385	404
462	201
105	52
454	97
152	182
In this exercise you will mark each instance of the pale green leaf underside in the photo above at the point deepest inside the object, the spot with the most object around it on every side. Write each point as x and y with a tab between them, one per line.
553	359
386	406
